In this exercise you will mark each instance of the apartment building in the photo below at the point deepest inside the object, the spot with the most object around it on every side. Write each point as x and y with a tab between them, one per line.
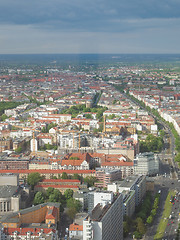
137	183
105	176
105	222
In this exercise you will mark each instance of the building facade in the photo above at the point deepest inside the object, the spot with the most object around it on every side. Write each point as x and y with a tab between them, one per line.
105	223
146	163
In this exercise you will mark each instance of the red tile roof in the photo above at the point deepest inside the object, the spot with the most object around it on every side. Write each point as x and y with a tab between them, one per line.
75	227
55	186
61	180
47	171
51	214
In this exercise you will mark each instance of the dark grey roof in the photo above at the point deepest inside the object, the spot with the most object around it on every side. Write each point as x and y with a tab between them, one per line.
9	191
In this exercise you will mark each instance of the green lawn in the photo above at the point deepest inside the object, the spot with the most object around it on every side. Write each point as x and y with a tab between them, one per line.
163	223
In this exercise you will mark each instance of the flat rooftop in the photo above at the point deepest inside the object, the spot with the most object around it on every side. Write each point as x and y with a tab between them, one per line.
7	191
129	181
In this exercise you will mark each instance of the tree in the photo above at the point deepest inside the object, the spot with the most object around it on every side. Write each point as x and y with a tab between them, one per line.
73	207
33	179
64	175
49	191
140	226
125	229
142	214
51	125
18	150
162	133
4	117
152	144
39	198
177	157
90	180
68	194
73	203
71	212
149	219
55	196
137	235
153	212
88	116
44	130
112	116
76	176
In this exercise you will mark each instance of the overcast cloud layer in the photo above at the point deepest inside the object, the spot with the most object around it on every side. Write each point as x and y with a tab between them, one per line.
89	26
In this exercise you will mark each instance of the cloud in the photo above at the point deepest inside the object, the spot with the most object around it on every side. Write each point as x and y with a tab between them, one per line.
157	36
89	26
84	15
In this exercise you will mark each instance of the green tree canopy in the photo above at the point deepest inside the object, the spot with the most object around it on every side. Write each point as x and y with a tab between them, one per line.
71	212
18	150
33	179
73	203
90	180
149	219
4	117
141	226
125	228
55	196
76	176
39	198
64	175
88	116
151	144
68	194
49	191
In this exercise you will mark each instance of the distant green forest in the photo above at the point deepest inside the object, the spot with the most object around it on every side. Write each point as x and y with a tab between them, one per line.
7	105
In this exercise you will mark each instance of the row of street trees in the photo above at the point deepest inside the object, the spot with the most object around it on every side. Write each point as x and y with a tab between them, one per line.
173	130
144	214
155	206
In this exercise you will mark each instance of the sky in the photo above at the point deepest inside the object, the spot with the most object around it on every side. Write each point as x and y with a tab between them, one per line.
89	26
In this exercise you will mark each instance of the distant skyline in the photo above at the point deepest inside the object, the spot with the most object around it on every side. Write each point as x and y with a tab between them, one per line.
84	26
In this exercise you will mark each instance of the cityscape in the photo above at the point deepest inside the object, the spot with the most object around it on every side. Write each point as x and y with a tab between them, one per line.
90	146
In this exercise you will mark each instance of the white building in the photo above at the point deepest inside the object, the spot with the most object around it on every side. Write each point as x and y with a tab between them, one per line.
96	197
105	223
33	145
